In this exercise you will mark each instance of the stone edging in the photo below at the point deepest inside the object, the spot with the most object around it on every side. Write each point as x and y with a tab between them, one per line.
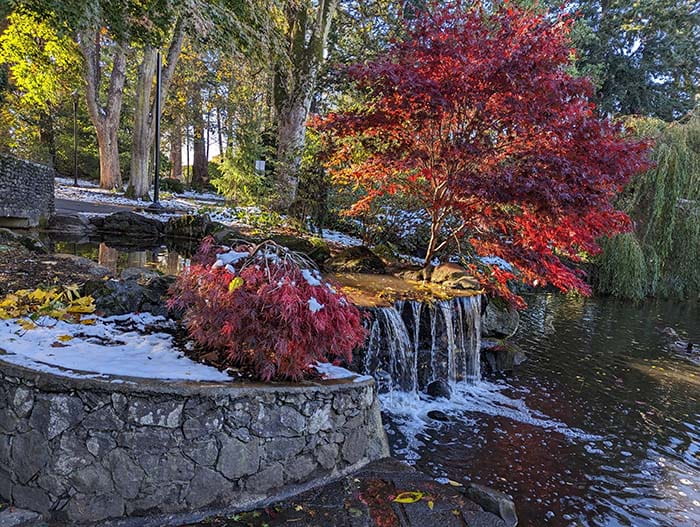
147	452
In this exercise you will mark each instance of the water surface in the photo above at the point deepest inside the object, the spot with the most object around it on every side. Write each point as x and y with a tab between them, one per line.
601	427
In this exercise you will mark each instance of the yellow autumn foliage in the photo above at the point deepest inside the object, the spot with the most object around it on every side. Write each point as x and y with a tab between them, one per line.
61	303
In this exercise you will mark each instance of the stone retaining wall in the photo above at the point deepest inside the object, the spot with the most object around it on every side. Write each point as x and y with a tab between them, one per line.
92	451
26	192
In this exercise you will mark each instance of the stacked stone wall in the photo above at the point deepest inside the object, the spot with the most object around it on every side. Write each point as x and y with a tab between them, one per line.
26	192
96	450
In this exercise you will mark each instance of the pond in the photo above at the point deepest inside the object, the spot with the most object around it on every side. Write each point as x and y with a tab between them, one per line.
601	427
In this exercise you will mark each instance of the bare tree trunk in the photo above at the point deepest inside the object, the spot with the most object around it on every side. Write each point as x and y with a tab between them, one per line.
106	117
176	150
220	131
144	115
294	88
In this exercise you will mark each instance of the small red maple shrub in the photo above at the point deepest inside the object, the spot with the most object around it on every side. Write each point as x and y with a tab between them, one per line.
475	115
259	309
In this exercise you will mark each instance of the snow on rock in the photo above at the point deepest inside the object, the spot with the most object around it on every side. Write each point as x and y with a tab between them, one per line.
314	305
119	346
330	371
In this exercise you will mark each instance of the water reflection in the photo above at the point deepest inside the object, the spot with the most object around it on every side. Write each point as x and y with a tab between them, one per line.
596	366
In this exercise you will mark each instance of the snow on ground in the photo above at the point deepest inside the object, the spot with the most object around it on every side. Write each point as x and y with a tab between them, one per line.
118	346
98	195
340	238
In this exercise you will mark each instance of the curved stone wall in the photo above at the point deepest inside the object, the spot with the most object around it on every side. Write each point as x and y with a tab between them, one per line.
95	450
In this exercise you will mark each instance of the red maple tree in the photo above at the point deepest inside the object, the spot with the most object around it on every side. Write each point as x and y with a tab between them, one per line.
476	115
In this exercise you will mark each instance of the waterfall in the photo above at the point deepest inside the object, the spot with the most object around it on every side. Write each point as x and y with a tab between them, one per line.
411	343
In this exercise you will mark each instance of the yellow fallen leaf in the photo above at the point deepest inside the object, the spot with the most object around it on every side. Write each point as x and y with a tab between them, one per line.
454	483
64	338
88	321
431	504
408	497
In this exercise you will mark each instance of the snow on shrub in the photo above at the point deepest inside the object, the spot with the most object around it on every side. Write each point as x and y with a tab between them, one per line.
265	309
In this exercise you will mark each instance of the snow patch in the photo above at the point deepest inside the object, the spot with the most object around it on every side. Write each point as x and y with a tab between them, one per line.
118	346
330	371
311	277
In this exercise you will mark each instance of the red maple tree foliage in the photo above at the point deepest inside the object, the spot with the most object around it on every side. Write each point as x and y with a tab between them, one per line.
476	116
257	308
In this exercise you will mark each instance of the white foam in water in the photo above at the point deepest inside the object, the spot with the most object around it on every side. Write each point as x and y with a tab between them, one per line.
409	411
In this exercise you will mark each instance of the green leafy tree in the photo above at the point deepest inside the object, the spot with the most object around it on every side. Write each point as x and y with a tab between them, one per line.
644	56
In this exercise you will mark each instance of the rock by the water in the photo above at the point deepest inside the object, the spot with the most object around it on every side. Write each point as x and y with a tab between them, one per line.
128	224
439	388
454	276
502	356
193	226
417	275
137	293
499	322
28	242
437	415
358	259
493	501
70	224
138	273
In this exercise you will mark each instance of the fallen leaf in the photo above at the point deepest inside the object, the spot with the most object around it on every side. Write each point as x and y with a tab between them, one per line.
408	497
431	504
454	483
64	338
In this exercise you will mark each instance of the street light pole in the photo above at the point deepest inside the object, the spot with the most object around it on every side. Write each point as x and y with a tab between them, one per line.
75	139
156	144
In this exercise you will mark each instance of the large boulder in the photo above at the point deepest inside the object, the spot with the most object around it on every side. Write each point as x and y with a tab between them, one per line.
499	321
358	259
230	236
74	224
454	276
191	226
128	224
439	388
138	291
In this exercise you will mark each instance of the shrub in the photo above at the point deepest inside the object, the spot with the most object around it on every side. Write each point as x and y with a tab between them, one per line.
172	185
265	309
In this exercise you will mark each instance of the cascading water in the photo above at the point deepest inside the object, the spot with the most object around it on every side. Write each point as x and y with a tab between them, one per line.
412	344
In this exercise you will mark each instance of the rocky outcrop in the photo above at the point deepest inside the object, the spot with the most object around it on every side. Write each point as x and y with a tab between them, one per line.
128	224
453	276
358	259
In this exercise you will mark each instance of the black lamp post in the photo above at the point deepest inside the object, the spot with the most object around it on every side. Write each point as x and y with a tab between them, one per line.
156	206
75	138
